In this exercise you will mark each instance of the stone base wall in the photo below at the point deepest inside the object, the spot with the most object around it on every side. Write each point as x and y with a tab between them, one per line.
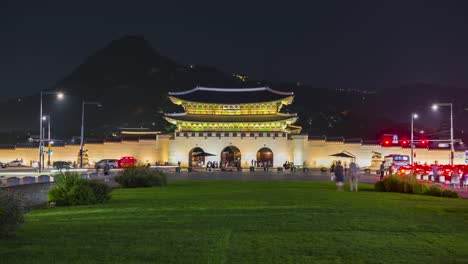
174	148
318	153
180	147
32	195
145	151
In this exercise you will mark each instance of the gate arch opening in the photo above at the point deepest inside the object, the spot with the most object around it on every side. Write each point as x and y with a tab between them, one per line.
230	157
265	157
195	161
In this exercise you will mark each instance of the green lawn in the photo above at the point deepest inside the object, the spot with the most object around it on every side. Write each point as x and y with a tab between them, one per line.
246	222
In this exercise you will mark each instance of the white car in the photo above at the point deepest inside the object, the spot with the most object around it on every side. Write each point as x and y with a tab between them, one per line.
15	163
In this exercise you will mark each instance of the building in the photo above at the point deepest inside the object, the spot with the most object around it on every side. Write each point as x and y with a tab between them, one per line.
234	127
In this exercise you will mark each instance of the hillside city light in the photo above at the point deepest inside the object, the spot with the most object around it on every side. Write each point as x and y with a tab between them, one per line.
435	107
60	96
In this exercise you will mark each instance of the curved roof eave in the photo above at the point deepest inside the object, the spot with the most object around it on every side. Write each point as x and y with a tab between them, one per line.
232	90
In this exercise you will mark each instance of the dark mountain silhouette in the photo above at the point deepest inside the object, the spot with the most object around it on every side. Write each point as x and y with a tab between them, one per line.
131	79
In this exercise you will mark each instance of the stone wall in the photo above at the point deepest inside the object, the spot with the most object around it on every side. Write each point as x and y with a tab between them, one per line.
174	148
32	195
144	151
319	151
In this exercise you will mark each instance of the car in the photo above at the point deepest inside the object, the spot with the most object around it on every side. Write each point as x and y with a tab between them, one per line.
3	165
127	162
113	163
62	165
15	163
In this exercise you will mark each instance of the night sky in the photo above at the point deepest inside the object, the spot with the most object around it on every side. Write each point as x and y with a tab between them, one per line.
346	44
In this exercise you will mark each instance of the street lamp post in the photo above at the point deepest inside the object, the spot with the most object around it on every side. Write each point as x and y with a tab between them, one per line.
82	127
41	134
413	116
452	146
47	117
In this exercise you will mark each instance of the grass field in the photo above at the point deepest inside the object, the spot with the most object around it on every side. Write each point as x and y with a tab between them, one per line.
246	222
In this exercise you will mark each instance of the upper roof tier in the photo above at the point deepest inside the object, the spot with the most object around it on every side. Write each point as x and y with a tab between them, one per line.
233	95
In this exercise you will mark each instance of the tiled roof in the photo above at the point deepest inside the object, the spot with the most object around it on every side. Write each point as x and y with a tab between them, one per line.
230	118
231	95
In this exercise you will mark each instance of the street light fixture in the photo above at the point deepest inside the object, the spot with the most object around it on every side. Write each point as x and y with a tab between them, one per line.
60	96
413	116
435	107
82	127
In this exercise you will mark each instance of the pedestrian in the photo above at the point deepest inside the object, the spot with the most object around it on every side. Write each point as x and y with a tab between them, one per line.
353	176
339	176
382	170
106	169
390	169
455	178
435	171
332	172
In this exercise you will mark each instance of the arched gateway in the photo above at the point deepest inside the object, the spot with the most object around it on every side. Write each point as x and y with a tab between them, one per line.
195	159
230	157
264	157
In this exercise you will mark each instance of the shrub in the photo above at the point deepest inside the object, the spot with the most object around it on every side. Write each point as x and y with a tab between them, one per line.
379	186
11	212
449	194
367	171
421	188
141	177
409	184
81	194
434	191
393	184
71	189
101	191
323	169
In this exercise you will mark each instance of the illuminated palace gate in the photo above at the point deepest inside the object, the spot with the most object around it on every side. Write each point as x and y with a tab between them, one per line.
237	111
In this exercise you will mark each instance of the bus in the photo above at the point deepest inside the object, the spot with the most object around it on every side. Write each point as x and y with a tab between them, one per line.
396	159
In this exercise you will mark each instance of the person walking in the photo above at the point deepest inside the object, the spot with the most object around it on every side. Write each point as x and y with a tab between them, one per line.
382	170
339	176
332	172
391	169
353	176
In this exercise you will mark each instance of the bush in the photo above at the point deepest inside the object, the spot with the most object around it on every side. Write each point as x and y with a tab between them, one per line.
141	177
101	191
81	194
367	171
323	169
379	186
71	189
409	184
449	194
11	212
434	191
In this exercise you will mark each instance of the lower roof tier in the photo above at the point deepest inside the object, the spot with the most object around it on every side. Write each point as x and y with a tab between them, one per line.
251	123
230	118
